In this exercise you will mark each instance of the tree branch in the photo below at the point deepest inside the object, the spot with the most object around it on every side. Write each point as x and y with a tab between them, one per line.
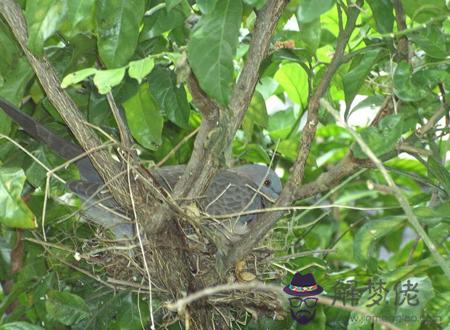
219	125
288	195
101	159
402	44
217	132
68	110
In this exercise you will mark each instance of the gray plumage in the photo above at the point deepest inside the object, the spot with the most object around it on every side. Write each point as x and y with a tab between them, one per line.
230	192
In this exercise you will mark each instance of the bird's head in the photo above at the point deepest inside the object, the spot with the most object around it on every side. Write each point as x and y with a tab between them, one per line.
263	177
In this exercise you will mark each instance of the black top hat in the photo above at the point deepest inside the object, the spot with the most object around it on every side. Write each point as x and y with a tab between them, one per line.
303	285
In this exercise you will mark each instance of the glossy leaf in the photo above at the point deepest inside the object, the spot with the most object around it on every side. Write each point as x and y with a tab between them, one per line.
171	3
254	153
382	139
370	233
80	18
404	87
76	77
19	325
354	78
171	99
281	123
107	79
309	10
15	80
212	48
311	34
66	307
144	118
422	11
288	148
14	212
439	171
257	112
423	292
383	13
43	20
118	25
294	80
141	68
206	5
432	41
162	21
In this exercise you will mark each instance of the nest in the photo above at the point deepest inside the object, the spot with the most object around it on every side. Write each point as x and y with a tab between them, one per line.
119	264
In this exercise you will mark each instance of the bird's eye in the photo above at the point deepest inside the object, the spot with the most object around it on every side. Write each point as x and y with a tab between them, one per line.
267	182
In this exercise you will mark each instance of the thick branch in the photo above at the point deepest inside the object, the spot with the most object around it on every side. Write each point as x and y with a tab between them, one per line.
220	125
216	135
402	43
143	190
296	174
68	110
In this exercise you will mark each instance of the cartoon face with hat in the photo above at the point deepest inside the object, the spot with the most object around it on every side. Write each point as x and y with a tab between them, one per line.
303	288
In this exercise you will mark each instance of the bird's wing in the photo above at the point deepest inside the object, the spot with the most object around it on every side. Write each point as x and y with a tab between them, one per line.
168	176
62	147
231	193
100	207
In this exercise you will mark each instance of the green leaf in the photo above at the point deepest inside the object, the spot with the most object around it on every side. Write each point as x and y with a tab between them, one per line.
439	171
309	10
370	233
107	79
383	14
382	139
257	111
8	49
144	118
294	80
354	78
14	212
206	5
131	314
75	77
80	18
310	34
162	21
288	148
35	173
43	19
212	48
281	123
424	292
171	3
118	25
141	68
432	41
20	326
15	84
254	153
66	307
422	11
404	86
171	99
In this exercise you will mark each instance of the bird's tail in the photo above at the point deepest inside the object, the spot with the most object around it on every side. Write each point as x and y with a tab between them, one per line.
62	147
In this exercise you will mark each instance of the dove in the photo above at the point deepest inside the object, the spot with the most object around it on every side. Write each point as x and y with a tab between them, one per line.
230	192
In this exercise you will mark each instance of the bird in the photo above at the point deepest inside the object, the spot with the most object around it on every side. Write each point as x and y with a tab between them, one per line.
232	193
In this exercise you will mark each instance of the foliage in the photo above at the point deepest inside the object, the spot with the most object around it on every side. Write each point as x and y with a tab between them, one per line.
139	51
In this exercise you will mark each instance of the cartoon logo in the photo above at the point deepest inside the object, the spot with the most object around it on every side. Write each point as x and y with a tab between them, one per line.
302	304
